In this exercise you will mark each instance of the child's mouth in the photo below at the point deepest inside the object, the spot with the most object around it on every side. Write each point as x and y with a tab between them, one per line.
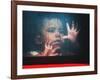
56	43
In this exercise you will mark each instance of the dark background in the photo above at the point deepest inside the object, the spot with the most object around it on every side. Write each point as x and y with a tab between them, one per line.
32	23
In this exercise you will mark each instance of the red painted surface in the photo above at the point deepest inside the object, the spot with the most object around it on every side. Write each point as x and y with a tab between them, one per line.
52	65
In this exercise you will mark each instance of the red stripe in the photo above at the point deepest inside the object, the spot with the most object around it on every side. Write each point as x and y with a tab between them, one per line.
52	65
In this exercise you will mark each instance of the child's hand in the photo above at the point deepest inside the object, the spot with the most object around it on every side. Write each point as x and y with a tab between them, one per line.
72	32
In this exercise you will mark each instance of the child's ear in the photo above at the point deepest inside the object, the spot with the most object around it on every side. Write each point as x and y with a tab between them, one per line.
38	39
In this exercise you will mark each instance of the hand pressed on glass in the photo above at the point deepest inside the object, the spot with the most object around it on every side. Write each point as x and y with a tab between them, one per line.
72	32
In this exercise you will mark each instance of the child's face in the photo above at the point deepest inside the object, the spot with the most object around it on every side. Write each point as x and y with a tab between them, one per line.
53	32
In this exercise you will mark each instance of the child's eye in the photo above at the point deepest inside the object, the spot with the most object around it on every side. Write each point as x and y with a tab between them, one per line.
51	30
61	30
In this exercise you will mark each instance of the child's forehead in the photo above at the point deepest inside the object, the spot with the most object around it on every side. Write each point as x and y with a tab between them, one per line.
54	22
